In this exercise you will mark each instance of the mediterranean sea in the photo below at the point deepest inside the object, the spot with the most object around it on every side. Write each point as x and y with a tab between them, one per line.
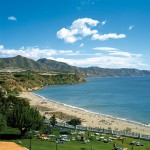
124	97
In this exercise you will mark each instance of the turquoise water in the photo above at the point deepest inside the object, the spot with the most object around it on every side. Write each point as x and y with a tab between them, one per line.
124	97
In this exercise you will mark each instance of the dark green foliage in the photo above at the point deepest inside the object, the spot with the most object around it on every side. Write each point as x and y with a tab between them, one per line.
23	117
2	123
53	120
18	101
5	105
19	114
74	121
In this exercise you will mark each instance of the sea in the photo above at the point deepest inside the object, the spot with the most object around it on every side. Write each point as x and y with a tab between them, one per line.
127	98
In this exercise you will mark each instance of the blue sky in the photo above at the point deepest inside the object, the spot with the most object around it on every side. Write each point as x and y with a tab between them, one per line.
104	33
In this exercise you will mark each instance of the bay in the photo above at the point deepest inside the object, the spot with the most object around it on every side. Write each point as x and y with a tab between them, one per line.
123	97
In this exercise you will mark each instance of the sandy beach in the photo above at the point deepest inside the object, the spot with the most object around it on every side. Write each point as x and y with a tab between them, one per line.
89	119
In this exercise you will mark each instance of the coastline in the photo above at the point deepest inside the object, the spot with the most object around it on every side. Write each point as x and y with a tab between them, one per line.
104	115
89	119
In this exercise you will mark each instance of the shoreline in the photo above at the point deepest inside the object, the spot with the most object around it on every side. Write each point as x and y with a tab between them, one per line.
96	113
89	119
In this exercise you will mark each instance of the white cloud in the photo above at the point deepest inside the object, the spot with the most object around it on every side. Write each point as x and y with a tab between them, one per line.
105	62
67	35
116	52
131	27
32	52
103	37
79	29
125	54
105	48
1	47
12	18
109	58
104	22
82	27
81	45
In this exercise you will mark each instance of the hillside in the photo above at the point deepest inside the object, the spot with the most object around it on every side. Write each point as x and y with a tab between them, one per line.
60	66
29	81
105	72
22	63
47	65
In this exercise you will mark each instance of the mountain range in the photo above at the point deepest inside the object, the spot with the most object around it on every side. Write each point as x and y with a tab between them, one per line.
47	65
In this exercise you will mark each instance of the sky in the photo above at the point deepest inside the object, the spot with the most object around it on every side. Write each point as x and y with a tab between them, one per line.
103	33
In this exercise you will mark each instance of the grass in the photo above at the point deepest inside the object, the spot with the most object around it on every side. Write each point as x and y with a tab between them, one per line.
38	144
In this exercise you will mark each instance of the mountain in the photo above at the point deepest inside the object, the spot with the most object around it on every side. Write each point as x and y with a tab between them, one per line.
22	63
106	72
47	65
60	66
93	71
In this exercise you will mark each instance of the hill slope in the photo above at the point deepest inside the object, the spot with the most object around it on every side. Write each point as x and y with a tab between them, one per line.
23	63
60	66
29	81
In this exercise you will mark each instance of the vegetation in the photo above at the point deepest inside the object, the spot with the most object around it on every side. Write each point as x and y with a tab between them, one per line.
53	121
19	114
95	144
128	129
22	63
2	123
74	121
28	81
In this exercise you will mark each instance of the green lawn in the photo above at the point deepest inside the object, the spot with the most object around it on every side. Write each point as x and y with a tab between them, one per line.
38	144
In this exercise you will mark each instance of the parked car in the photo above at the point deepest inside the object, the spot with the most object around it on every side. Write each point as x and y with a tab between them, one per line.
139	144
119	148
61	141
133	143
65	132
107	140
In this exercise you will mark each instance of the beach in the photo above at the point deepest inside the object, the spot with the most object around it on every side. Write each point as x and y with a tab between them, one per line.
89	119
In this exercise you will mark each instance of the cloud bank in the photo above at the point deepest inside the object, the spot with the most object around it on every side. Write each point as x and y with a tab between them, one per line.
105	57
32	52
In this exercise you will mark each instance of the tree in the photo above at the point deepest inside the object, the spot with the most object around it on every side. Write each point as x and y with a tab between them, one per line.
23	117
2	123
128	129
5	105
53	120
19	114
74	121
